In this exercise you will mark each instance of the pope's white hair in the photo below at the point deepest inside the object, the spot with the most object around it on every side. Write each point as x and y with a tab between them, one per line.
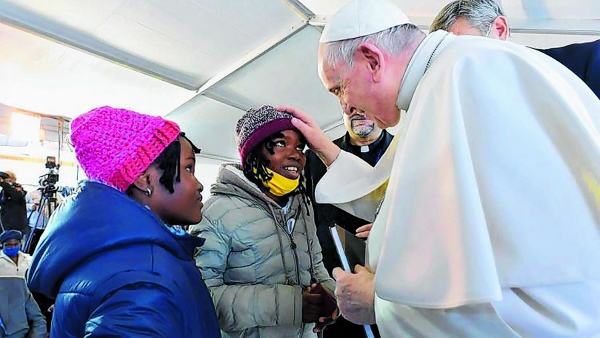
392	40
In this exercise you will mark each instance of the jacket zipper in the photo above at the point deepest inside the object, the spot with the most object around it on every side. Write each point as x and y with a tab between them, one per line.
296	261
292	243
295	254
288	235
293	246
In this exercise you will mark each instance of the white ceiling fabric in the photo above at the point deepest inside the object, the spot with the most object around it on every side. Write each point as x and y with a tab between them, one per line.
202	62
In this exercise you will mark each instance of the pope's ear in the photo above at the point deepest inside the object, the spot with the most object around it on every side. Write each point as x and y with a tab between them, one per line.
373	58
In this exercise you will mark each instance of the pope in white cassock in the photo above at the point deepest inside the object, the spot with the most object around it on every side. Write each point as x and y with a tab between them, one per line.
489	225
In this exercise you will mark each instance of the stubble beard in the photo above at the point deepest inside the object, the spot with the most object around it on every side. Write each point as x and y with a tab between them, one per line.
362	130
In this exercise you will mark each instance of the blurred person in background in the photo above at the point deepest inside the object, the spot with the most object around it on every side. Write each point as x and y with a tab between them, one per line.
14	210
13	262
486	18
20	315
39	211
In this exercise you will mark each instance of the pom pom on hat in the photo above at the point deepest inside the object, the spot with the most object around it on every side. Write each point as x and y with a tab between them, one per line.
258	124
115	146
361	18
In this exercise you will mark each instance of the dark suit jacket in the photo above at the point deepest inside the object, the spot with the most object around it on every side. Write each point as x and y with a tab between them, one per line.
583	59
326	214
14	208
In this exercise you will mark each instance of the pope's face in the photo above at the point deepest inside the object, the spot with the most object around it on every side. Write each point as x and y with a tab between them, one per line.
357	91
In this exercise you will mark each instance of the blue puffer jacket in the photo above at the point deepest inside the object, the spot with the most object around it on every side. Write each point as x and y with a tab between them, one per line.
117	271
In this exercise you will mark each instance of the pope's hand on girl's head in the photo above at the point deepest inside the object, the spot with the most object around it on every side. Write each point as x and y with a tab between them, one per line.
316	138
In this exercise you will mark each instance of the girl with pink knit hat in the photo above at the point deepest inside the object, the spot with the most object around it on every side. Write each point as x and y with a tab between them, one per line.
114	256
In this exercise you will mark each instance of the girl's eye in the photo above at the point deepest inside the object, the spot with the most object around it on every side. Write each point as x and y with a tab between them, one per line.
190	168
300	147
280	143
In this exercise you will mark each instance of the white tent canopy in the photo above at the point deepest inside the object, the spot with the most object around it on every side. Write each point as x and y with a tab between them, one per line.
203	62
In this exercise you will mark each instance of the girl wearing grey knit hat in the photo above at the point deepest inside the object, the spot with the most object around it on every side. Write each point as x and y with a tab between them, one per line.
262	259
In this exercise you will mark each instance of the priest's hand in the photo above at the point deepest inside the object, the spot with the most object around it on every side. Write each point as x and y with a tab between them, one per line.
324	321
318	141
364	231
355	293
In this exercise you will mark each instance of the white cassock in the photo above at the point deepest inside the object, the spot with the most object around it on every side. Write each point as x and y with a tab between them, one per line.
490	222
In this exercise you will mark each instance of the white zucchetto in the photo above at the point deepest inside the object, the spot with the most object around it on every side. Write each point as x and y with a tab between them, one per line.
362	17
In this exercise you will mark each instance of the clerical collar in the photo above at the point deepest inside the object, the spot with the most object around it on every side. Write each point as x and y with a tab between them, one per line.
418	65
368	148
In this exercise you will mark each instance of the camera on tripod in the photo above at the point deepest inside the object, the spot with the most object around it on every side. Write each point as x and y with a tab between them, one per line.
48	181
47	204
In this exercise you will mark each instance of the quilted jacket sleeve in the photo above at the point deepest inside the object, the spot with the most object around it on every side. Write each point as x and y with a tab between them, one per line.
126	314
240	307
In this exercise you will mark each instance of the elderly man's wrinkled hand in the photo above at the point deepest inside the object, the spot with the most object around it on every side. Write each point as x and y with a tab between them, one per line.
306	124
318	141
355	293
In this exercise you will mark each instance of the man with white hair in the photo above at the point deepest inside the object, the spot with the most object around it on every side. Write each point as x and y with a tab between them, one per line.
487	203
486	18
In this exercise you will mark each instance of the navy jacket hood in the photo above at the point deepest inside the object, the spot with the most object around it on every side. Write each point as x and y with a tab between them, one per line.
96	220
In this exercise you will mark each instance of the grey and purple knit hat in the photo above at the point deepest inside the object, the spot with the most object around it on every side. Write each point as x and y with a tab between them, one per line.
258	124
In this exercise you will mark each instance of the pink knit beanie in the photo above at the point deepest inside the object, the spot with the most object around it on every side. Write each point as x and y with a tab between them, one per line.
114	146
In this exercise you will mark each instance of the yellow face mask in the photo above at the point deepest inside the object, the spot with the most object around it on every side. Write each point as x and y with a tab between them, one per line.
280	185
